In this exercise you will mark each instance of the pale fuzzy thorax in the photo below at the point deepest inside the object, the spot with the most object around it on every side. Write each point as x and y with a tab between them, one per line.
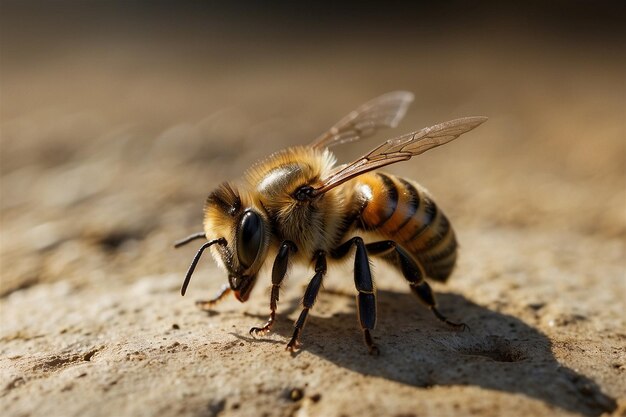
310	225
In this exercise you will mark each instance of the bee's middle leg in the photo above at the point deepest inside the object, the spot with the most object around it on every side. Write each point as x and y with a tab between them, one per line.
279	271
366	300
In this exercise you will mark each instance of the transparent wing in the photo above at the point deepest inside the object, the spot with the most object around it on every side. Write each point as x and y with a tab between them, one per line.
400	149
384	111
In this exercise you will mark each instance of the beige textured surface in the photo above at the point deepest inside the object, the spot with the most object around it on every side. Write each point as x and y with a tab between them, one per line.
109	150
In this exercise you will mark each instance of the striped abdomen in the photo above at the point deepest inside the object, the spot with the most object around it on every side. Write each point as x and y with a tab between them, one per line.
403	211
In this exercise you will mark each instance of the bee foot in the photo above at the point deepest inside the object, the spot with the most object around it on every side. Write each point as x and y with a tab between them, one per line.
260	331
205	305
293	345
458	326
374	351
465	327
369	342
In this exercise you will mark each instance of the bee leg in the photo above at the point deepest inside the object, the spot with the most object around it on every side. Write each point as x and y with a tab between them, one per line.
413	273
207	305
279	271
309	299
366	299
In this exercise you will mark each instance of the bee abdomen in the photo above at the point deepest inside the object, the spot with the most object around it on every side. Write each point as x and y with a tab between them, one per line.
403	211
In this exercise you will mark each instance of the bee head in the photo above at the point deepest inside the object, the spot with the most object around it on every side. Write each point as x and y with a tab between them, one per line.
245	228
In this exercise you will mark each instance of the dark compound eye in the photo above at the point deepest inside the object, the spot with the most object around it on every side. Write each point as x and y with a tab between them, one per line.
249	238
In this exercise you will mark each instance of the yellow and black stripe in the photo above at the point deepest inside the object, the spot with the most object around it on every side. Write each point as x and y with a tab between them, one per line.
402	211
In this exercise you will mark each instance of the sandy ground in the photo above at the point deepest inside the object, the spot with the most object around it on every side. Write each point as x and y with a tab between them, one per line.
109	149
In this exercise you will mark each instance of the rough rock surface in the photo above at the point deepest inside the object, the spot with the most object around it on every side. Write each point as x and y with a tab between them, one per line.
109	149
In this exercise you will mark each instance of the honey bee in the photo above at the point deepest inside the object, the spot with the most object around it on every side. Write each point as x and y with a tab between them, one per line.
297	206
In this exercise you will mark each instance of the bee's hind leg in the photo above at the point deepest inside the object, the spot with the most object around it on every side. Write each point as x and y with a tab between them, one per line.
279	271
207	305
366	300
413	273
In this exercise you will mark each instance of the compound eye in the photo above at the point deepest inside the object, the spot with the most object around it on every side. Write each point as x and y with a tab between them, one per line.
249	238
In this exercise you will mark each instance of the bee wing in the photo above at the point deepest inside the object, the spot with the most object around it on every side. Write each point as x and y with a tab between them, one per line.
384	111
399	149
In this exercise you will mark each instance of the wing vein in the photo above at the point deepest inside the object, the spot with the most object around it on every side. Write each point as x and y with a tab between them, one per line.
400	149
384	111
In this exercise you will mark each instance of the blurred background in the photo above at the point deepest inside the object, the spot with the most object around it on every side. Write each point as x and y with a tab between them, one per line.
117	118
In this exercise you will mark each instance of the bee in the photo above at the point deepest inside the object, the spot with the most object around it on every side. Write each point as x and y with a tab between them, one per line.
298	206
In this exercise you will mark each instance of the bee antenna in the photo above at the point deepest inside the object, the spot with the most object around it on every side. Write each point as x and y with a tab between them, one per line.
199	235
196	258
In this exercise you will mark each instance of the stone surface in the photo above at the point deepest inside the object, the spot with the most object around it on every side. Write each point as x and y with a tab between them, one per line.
107	156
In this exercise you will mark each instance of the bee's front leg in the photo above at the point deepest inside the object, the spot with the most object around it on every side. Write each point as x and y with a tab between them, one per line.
279	271
309	299
207	305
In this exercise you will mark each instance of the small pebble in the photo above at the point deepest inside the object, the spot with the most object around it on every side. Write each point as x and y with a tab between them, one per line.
536	306
296	394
